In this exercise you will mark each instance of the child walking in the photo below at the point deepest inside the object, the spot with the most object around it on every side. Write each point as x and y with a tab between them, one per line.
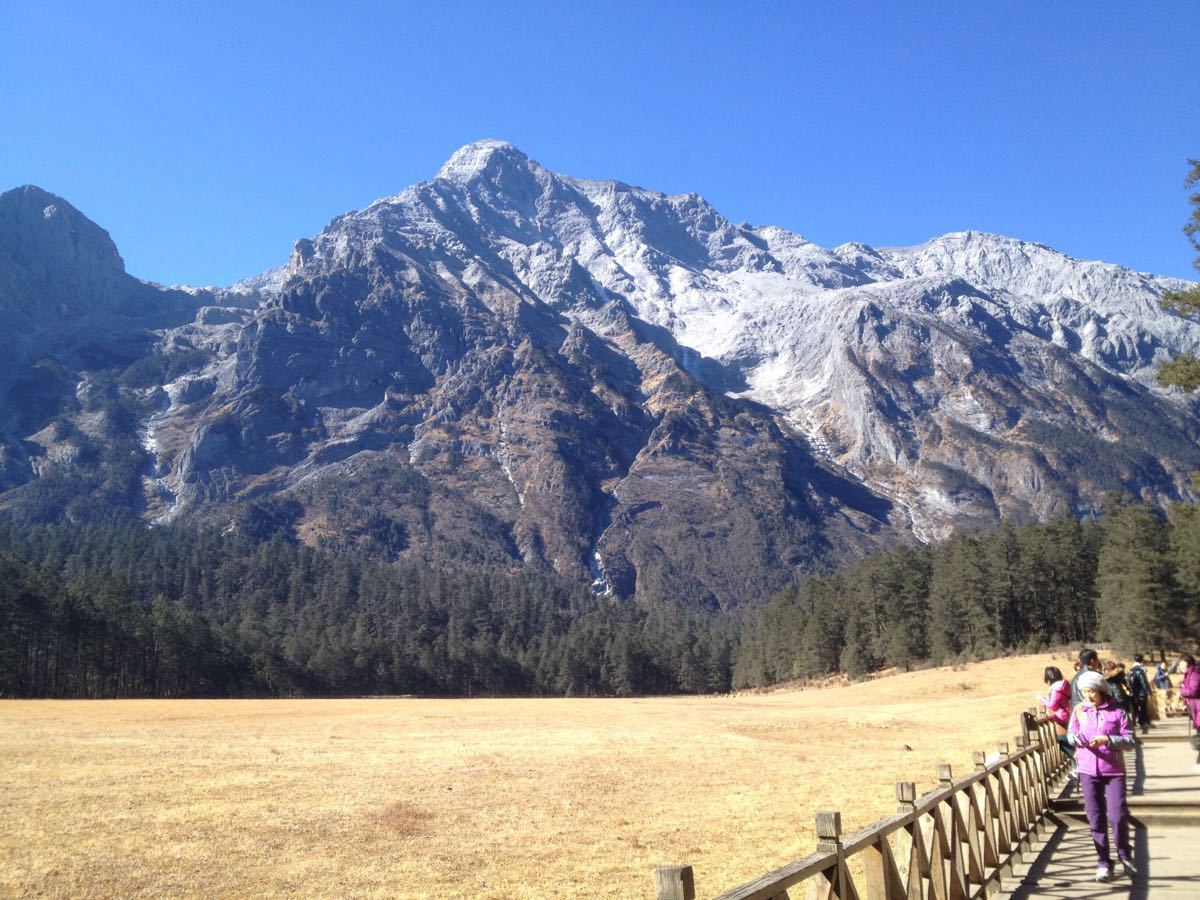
1100	731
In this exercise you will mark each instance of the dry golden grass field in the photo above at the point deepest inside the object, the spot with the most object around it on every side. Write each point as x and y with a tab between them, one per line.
469	798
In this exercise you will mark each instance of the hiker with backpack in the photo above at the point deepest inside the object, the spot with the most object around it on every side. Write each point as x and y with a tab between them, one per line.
1139	693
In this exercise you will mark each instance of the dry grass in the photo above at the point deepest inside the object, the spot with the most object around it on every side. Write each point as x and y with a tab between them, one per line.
468	798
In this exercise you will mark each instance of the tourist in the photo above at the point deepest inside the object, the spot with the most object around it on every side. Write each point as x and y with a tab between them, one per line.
1189	690
1118	685
1139	690
1162	680
1058	705
1100	731
1089	661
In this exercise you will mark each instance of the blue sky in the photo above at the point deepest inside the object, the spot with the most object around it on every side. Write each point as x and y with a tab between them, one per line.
208	137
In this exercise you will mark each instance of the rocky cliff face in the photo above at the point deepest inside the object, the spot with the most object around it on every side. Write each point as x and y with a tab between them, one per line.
390	395
512	367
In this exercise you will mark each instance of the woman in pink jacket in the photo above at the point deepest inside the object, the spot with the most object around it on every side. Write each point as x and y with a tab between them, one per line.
1058	705
1189	690
1100	731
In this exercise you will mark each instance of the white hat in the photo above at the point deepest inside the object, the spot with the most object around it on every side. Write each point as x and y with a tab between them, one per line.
1089	679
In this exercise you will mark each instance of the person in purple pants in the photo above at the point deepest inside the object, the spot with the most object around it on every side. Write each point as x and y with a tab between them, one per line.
1100	732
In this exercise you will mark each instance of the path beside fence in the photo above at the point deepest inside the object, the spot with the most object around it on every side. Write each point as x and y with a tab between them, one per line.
1013	827
1164	801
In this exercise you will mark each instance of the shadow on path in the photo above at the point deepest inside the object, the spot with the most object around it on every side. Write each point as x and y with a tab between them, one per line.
1166	848
1065	867
1138	786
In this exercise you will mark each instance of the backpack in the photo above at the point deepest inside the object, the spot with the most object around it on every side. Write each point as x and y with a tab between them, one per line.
1138	682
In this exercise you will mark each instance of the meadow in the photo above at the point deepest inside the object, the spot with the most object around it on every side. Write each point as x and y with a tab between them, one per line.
471	798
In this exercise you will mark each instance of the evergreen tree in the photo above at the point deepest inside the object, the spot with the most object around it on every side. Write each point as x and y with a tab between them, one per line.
1184	370
1135	597
1185	562
856	658
962	610
1073	553
750	664
119	610
905	586
1006	587
823	637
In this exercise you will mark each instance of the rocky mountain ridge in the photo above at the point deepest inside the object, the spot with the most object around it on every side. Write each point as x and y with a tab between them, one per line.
515	367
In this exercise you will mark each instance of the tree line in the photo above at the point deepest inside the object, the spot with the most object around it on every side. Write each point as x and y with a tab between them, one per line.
116	610
1131	576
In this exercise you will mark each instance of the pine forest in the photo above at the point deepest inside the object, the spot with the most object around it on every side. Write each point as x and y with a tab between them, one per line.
118	610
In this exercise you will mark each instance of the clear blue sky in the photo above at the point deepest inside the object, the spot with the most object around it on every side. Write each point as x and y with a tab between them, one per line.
208	136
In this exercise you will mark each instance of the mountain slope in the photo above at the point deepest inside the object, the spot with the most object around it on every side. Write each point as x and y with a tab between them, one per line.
874	355
512	367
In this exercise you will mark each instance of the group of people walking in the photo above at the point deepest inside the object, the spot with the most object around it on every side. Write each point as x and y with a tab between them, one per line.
1095	714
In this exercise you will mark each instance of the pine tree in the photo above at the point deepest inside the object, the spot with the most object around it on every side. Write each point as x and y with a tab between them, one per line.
1184	370
962	610
750	665
906	587
823	637
1185	561
1006	586
1135	597
856	659
1072	549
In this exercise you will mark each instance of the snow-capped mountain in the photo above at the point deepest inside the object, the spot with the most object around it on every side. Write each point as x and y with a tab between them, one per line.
868	352
613	383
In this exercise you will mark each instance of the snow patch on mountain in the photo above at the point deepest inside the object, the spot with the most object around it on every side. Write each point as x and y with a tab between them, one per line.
868	352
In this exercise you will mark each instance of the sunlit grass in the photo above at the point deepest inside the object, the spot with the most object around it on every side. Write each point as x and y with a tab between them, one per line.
477	798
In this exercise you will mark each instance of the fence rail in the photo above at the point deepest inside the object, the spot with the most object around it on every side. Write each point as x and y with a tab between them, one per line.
956	842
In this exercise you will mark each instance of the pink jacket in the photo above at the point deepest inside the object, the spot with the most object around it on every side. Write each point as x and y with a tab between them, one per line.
1088	722
1190	692
1058	702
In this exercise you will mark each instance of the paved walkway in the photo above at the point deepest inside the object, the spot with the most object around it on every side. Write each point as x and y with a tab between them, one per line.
1164	788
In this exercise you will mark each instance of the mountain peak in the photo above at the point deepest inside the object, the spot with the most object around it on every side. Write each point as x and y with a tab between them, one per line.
31	204
30	193
986	237
480	158
42	229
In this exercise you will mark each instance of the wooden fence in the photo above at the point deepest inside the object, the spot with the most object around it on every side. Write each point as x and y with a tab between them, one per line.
956	842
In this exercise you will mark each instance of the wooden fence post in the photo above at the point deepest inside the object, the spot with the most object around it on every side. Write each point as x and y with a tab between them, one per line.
1031	799
987	811
1060	756
1029	721
674	883
829	840
1041	766
1006	836
1056	758
829	831
958	848
915	870
1019	796
881	873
